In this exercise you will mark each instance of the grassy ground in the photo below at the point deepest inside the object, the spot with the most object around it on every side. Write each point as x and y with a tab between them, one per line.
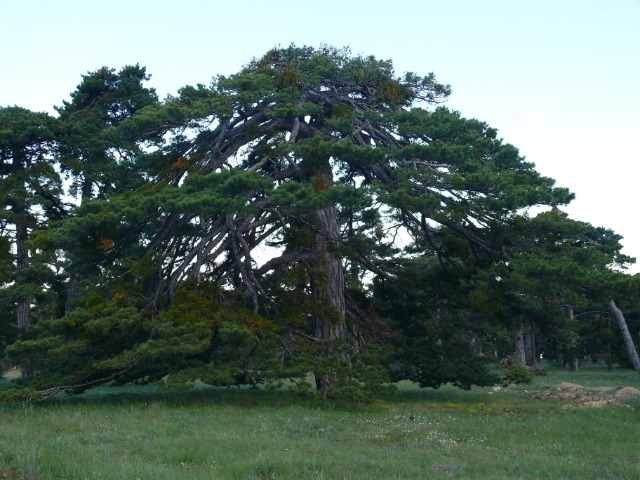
252	434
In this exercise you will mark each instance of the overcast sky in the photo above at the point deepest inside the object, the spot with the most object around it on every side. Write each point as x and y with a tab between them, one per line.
559	79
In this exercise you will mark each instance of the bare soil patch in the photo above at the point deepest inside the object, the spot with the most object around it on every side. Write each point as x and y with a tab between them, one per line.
586	397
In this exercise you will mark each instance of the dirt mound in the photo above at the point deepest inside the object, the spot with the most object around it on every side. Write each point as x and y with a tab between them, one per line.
569	387
587	397
627	392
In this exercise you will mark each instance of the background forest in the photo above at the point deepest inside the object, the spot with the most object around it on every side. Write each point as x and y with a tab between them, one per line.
314	212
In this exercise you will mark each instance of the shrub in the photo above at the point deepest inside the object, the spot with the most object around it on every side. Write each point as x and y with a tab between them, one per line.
514	373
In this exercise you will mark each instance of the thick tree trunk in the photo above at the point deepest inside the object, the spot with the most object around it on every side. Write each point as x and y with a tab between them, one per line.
72	293
574	366
328	293
559	356
22	263
530	349
328	282
628	341
609	349
521	356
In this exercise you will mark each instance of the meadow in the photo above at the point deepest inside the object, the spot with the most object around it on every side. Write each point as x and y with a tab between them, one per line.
486	433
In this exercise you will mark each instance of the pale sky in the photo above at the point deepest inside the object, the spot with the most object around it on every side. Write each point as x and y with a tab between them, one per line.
559	79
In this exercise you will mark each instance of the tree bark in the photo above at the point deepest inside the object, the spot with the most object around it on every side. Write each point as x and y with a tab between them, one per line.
521	356
628	341
574	366
73	289
609	348
530	349
559	356
22	263
328	292
327	282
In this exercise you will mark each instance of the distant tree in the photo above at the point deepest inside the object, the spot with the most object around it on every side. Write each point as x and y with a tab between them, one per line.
559	269
628	340
30	194
95	152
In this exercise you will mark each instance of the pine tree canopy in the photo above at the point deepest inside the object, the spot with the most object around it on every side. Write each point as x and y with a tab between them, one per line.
314	212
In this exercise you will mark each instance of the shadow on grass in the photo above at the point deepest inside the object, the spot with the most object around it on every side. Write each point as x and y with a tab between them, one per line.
407	392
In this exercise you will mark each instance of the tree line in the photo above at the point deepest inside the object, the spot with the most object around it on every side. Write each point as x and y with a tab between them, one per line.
313	213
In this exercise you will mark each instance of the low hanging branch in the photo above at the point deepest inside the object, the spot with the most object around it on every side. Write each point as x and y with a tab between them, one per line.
628	341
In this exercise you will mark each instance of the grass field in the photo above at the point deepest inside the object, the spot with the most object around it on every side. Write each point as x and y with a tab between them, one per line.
135	433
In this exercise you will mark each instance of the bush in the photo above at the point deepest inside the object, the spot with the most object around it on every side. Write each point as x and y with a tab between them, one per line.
514	373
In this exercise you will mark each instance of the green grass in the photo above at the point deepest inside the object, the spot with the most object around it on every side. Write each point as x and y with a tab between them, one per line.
131	433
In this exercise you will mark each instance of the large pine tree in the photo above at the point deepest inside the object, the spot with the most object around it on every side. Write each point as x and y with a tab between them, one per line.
290	198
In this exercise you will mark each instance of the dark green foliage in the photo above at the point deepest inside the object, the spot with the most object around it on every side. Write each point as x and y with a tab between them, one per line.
93	148
312	213
19	396
108	339
30	198
514	373
437	335
562	267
